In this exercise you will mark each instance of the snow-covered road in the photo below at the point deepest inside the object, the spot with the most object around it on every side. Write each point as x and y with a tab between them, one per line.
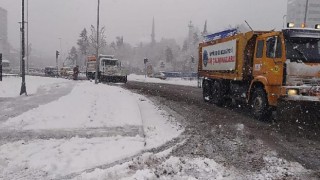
78	130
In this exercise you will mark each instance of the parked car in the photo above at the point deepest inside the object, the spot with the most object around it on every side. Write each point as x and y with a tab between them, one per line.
66	71
51	71
160	75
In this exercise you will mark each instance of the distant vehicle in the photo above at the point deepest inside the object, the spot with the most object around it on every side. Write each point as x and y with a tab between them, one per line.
66	71
110	70
160	75
51	71
6	66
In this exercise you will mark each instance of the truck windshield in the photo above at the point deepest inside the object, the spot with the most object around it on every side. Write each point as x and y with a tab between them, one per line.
303	49
5	64
109	63
91	65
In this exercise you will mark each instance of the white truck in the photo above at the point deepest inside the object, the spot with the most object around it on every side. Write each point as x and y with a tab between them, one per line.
110	70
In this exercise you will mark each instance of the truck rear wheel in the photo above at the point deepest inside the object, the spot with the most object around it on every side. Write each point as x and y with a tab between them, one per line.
259	105
206	91
217	93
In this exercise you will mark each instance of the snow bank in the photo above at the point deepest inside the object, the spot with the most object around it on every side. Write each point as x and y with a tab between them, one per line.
175	81
164	166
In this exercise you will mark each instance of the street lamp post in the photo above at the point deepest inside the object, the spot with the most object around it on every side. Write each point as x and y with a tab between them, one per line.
28	36
23	84
59	53
97	53
60	44
145	60
305	14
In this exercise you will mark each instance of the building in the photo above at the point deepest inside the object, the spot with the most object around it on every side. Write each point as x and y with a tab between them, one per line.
303	13
3	31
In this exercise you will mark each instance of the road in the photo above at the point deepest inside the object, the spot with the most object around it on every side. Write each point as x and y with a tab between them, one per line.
230	136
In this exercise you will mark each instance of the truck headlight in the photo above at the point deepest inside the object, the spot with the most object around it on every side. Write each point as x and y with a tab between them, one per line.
292	92
290	25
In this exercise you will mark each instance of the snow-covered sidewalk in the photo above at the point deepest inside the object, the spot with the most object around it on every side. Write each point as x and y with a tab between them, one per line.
84	119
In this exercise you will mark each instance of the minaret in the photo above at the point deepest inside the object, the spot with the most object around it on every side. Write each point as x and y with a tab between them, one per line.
205	32
153	34
191	31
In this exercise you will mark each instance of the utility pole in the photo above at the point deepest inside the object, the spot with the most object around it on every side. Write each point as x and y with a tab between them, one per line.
23	84
20	52
145	60
57	66
27	36
305	14
0	66
60	51
97	53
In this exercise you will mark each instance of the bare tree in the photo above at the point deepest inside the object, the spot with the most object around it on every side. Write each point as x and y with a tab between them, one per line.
93	38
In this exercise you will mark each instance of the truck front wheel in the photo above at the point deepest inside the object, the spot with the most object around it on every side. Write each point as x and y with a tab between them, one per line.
217	93
206	91
259	104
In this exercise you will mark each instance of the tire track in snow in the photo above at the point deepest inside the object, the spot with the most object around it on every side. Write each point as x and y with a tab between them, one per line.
12	107
170	144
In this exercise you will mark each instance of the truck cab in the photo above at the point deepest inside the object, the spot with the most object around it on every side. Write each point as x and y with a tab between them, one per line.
288	64
111	70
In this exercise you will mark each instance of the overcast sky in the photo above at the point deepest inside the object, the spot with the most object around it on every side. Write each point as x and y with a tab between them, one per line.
50	20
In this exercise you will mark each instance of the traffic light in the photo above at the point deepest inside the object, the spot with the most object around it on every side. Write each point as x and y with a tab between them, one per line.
57	54
145	61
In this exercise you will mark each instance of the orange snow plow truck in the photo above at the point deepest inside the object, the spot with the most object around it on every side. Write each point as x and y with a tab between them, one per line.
261	68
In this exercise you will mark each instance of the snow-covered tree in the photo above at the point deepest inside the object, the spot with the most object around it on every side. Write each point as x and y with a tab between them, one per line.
83	42
73	58
83	45
169	55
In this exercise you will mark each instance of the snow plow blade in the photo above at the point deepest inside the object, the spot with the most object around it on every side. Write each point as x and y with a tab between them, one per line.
306	112
114	79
